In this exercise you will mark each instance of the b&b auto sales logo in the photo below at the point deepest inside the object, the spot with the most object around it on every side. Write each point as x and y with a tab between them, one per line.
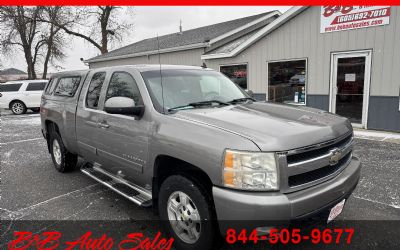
336	18
52	240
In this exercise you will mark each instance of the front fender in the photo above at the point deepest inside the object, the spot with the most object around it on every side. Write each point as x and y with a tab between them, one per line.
198	144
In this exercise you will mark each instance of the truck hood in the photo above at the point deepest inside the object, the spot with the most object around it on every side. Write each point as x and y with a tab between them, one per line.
272	127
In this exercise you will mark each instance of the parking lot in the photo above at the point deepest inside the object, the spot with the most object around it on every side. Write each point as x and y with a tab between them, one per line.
31	189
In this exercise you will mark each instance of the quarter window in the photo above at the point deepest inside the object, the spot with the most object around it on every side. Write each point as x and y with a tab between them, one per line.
122	84
287	82
236	73
67	86
10	87
93	94
49	88
36	86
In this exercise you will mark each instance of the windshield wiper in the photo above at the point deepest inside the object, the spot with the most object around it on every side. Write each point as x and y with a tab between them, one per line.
244	99
198	104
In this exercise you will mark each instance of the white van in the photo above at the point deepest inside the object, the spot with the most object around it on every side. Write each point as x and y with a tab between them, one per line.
21	95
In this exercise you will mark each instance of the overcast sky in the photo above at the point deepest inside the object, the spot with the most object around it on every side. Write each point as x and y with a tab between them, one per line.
150	21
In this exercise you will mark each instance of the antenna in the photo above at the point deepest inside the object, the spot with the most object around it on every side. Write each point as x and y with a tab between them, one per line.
180	27
159	62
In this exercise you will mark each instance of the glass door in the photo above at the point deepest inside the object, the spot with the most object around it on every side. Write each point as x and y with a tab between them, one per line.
350	86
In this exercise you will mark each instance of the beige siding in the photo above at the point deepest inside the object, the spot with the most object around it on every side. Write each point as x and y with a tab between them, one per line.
186	57
301	38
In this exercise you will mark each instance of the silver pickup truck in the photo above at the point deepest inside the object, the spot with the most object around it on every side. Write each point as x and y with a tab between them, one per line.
199	149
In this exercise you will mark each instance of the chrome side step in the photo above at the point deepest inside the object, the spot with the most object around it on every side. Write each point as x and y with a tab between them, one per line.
132	192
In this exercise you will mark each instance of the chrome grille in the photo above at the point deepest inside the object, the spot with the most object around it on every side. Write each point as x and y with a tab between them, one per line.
302	168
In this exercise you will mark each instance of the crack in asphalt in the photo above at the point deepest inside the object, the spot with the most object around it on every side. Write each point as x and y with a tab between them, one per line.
26	140
57	197
378	202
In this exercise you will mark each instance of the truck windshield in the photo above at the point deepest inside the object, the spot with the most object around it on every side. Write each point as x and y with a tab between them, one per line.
187	89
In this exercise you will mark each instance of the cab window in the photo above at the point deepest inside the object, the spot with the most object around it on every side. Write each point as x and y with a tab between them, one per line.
122	84
93	94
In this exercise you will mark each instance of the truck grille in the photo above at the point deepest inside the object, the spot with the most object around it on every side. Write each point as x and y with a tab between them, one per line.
319	173
314	164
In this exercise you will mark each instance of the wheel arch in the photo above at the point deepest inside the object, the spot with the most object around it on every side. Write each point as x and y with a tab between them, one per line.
16	100
51	126
165	166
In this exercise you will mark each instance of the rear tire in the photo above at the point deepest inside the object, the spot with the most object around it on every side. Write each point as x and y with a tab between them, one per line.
18	108
178	214
63	160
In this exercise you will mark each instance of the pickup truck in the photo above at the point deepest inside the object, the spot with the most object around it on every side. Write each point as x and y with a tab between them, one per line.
200	150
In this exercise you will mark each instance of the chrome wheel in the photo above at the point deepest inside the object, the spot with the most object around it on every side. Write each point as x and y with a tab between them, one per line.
17	108
57	152
184	217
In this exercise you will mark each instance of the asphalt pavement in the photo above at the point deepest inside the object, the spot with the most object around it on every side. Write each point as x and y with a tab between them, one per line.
31	189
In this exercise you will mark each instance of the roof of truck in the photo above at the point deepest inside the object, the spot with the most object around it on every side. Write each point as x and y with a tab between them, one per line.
151	67
141	68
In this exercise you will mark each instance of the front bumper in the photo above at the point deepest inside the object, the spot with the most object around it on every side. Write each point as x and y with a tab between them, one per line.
257	209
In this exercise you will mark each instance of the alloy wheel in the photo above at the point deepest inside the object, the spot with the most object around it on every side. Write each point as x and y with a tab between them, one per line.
184	217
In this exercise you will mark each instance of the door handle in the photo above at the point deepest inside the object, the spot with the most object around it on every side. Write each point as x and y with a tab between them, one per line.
103	125
90	123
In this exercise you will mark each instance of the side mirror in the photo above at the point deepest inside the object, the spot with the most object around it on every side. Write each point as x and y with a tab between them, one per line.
250	93
123	106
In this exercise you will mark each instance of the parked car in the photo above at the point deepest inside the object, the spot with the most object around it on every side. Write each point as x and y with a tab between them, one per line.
196	147
298	79
21	95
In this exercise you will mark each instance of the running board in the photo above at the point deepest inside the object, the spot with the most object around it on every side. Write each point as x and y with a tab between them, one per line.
132	192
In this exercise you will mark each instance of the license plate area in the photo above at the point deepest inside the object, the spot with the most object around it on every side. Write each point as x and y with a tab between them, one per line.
336	210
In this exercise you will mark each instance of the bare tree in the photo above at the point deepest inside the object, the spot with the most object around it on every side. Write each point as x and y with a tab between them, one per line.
19	27
101	26
53	37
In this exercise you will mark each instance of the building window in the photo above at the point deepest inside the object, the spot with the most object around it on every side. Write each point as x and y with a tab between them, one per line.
287	82
237	74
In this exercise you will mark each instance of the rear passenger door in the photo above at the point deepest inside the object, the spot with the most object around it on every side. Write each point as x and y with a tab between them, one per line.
33	93
88	113
122	140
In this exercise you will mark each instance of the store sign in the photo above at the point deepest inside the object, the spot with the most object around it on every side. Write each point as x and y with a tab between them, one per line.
338	18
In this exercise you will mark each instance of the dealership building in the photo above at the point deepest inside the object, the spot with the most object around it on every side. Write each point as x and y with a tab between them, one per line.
343	59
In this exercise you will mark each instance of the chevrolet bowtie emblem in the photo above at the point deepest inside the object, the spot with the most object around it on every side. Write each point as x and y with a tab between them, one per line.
336	155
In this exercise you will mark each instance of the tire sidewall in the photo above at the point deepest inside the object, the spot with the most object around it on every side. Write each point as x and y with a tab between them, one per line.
23	109
198	196
60	167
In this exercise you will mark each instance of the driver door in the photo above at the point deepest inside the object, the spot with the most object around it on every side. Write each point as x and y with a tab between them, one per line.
123	140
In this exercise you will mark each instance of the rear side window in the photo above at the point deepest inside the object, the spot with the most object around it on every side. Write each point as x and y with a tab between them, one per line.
10	87
49	88
93	94
67	86
122	84
35	86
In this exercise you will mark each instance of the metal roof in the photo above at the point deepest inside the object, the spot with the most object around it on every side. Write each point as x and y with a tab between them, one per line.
245	43
199	37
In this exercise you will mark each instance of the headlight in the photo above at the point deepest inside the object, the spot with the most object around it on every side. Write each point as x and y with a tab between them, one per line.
250	170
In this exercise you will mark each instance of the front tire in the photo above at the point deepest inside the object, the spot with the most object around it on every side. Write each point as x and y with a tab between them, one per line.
186	210
63	160
18	108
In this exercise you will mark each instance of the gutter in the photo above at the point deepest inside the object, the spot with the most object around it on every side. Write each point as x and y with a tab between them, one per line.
261	33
